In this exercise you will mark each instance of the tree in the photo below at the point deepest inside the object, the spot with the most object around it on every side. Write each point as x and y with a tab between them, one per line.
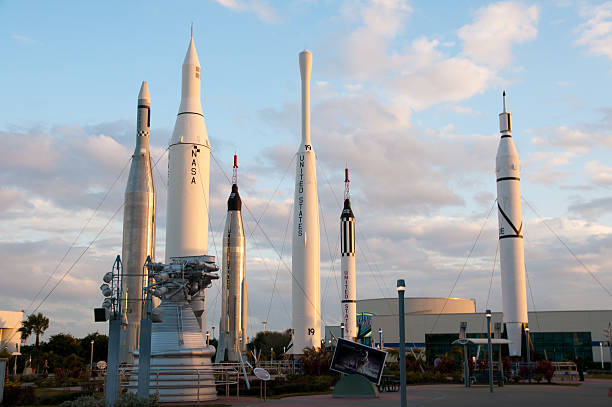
271	339
35	324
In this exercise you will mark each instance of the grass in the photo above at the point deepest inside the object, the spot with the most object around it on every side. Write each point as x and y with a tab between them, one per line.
601	376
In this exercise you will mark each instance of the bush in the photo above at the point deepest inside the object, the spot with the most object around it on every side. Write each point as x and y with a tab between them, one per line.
56	399
516	378
446	366
125	400
538	377
546	369
15	395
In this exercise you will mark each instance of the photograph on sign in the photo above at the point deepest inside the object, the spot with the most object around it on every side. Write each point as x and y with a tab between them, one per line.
355	358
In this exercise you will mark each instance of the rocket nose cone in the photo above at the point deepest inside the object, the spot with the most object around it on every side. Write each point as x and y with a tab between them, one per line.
191	58
144	92
234	203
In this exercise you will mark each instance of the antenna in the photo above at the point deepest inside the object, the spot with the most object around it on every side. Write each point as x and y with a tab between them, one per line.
235	173
192	29
347	194
504	94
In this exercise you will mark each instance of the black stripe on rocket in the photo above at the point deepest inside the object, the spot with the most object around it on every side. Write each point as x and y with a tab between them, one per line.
348	238
517	232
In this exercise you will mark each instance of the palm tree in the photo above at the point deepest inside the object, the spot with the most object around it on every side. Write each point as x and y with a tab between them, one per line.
35	324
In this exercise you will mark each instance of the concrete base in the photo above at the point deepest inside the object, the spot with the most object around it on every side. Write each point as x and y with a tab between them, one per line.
355	386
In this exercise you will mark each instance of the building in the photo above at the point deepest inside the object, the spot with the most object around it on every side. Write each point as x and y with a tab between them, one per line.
10	322
433	324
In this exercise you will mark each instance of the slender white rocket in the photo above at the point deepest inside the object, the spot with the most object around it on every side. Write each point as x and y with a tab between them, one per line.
347	251
305	262
138	228
510	218
232	326
188	175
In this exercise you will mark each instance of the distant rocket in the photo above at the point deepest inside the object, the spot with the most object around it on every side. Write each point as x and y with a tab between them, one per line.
305	264
232	327
347	251
510	218
188	176
138	228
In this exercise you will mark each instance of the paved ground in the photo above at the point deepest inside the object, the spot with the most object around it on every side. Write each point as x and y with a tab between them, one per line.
592	393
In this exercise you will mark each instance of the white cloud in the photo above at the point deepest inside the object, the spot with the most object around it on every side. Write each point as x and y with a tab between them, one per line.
261	8
489	39
596	32
24	39
600	174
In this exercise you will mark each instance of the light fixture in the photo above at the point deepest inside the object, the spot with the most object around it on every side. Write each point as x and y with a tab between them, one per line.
106	291
108	277
401	285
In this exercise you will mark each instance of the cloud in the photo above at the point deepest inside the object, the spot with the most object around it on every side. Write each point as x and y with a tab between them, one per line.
600	174
496	29
24	40
261	8
596	32
592	209
563	137
422	73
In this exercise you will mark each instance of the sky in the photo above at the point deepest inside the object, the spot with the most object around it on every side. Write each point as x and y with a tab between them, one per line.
404	93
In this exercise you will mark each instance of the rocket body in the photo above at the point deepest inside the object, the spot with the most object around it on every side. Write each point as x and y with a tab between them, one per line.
188	175
510	218
305	262
138	229
232	326
349	285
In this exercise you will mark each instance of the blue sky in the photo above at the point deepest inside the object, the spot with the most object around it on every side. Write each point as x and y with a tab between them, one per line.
407	93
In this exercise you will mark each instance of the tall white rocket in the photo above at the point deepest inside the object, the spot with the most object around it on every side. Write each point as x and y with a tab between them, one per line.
512	256
188	175
305	262
232	326
138	228
347	250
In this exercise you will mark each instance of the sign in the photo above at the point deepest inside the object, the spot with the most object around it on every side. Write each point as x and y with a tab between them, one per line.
355	358
261	374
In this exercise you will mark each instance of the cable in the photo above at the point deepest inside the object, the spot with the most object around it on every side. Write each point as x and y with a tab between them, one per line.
568	249
79	234
464	264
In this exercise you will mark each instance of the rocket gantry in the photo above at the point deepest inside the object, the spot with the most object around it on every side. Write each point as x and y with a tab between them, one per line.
510	219
305	261
138	228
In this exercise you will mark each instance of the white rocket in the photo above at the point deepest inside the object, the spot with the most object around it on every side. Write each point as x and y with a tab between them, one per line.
347	250
305	262
232	327
138	229
512	256
188	176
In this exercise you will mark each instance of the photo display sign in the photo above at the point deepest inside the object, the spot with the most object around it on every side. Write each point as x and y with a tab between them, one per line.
355	358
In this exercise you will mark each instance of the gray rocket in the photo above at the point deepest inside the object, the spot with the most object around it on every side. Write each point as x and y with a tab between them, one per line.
232	326
138	229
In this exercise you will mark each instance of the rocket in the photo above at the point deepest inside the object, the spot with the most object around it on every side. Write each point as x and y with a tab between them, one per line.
347	265
305	262
188	176
510	218
232	326
138	229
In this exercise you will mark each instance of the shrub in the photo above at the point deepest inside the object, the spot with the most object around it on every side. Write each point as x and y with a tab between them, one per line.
546	369
446	366
524	372
516	378
56	399
538	377
125	400
15	395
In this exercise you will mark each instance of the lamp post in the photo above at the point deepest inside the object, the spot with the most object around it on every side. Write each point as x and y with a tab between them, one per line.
342	330
527	350
401	287
91	359
380	339
490	350
207	337
264	324
213	329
